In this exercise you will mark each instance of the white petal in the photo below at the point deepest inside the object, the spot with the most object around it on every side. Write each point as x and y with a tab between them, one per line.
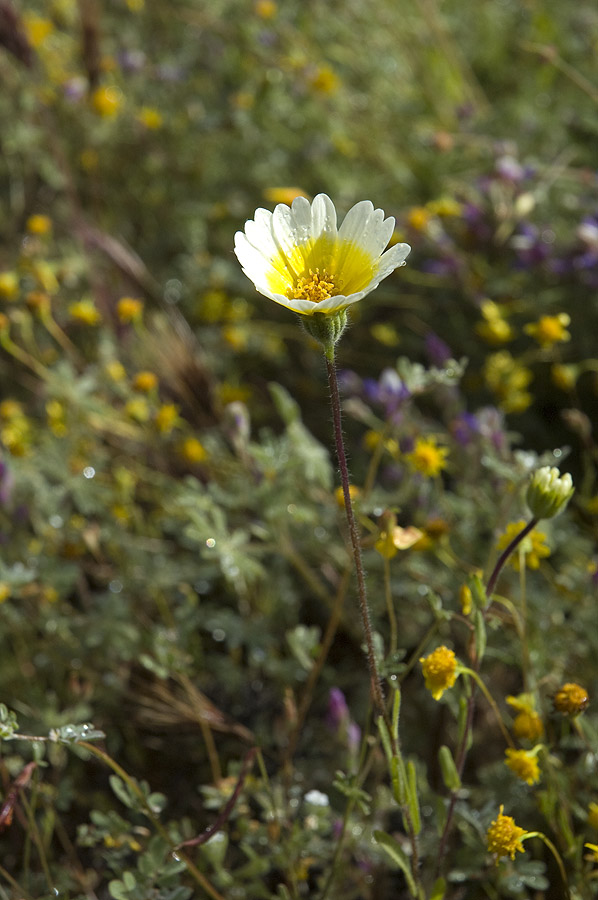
365	226
331	304
323	216
391	260
285	238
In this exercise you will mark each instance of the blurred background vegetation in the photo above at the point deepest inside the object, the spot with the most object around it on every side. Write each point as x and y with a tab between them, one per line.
173	564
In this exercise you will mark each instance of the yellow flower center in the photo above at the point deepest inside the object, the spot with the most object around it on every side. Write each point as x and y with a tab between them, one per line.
315	287
504	837
571	699
440	671
523	764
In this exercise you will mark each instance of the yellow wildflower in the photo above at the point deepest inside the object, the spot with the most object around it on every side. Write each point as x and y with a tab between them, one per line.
427	458
115	370
5	591
549	330
494	328
440	671
465	599
508	379
524	764
193	451
9	285
37	29
10	409
418	218
445	206
39	224
129	309
325	80
150	118
56	417
137	409
107	101
571	699
385	333
85	311
145	382
504	836
593	856
527	724
395	538
593	815
266	9
532	546
564	377
167	418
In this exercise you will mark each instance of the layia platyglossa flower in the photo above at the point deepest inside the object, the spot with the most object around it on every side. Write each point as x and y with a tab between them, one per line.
298	257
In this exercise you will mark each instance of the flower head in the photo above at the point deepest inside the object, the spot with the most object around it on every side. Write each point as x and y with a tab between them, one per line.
427	457
440	671
504	837
532	546
549	330
297	256
571	699
593	815
524	764
549	492
527	723
129	309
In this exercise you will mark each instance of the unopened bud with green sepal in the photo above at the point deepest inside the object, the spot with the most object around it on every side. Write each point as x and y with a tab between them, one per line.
549	492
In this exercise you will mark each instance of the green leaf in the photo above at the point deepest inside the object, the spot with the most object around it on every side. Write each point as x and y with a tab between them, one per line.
450	776
412	800
438	889
398	856
480	634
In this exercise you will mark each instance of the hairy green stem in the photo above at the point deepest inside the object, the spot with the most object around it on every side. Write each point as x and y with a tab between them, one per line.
364	609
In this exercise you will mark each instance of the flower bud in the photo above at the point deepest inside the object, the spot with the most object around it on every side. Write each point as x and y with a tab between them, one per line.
549	492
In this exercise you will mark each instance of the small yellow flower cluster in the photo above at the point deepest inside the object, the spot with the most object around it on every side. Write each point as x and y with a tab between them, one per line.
508	380
527	724
532	546
524	765
440	671
85	312
427	457
571	699
129	309
504	836
145	382
494	328
193	451
39	225
550	330
393	538
107	101
9	285
15	428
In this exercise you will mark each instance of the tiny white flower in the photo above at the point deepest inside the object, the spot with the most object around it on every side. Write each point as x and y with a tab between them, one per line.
298	257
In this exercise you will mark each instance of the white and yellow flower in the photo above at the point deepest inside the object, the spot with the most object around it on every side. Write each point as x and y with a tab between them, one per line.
298	257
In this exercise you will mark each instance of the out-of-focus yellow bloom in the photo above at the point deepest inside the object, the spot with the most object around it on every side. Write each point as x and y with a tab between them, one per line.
236	336
193	451
427	457
38	301
564	377
129	309
115	370
150	118
593	815
138	409
45	276
523	764
233	393
504	836
167	418
571	699
508	379
494	328
419	218
5	591
266	9
444	206
527	723
39	224
549	330
532	546
243	100
10	409
85	311
37	29
144	382
9	285
354	493
385	333
135	5
107	101
440	671
593	856
325	80
283	194
16	436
